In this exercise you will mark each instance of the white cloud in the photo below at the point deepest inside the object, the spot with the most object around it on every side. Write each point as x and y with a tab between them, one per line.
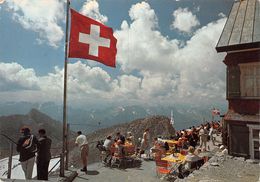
91	9
170	73
140	45
155	70
40	16
184	20
14	77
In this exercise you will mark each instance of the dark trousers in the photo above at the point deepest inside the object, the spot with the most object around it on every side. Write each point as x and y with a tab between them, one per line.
42	170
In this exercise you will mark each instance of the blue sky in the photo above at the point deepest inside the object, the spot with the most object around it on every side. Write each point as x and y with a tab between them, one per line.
166	53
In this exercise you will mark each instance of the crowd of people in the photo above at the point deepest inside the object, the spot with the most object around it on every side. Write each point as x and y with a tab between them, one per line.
190	142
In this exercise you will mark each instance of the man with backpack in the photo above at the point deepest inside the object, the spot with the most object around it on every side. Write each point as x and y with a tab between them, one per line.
27	146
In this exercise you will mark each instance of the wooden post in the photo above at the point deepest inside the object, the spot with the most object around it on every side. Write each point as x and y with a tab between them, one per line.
10	161
62	173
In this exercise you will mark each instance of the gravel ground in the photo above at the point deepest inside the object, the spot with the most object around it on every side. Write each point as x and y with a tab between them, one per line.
230	169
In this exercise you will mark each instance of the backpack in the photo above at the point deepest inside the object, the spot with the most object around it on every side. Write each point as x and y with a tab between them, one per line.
29	145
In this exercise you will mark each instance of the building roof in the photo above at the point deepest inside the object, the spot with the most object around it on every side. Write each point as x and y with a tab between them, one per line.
232	116
242	28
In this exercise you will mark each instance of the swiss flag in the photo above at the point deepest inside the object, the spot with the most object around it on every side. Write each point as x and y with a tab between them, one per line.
215	112
90	39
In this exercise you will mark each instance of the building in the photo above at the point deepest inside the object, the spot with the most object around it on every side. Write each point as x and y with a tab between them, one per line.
240	39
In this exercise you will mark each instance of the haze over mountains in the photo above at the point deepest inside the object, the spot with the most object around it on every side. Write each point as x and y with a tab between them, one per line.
92	119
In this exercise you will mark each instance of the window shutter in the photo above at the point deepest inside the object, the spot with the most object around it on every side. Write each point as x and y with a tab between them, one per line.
233	81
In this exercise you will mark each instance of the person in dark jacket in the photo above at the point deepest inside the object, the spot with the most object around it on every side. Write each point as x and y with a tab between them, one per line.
26	146
43	155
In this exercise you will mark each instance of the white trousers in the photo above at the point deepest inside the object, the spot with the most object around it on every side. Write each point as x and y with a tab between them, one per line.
27	167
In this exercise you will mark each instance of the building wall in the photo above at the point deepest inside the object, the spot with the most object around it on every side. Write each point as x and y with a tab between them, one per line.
237	131
244	106
238	139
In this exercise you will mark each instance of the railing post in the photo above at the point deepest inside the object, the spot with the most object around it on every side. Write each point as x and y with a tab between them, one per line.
10	161
62	165
67	148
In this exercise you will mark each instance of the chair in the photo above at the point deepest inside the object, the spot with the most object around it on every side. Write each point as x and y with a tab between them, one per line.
195	165
117	161
129	150
162	167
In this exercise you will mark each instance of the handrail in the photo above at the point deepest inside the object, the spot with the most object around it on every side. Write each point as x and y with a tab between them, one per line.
12	142
7	137
54	166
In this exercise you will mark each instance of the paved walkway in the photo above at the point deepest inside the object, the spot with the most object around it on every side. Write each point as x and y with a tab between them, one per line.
97	173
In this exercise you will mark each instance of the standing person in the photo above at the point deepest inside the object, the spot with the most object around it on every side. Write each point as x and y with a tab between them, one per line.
145	141
82	142
203	137
27	146
43	155
211	134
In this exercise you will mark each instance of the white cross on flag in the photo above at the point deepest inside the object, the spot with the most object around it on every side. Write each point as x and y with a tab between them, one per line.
90	39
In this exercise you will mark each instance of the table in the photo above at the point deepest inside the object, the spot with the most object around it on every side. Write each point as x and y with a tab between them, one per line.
170	142
174	159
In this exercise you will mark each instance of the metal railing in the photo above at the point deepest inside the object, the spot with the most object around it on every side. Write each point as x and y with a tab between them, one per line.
10	158
11	150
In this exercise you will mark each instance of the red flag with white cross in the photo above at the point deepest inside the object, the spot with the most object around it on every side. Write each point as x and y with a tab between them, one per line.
90	39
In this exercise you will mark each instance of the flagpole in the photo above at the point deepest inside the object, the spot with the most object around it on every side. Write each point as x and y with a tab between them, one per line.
64	133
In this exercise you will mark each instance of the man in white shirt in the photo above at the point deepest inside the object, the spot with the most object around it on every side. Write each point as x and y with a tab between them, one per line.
82	142
107	143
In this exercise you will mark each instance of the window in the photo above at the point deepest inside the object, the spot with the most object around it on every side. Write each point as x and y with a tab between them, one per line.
250	79
233	81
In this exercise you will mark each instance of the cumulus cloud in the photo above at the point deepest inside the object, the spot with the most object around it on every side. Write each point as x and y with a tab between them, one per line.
91	9
184	20
14	77
170	72
140	45
41	17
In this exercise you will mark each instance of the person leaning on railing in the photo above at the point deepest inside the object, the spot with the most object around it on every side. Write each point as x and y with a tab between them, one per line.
26	146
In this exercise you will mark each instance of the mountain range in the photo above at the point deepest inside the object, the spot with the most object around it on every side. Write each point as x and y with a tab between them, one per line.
10	126
90	120
34	119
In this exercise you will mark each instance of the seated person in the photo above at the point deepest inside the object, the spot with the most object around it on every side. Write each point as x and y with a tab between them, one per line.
121	137
119	149
131	137
107	146
190	159
128	141
158	148
166	146
107	143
